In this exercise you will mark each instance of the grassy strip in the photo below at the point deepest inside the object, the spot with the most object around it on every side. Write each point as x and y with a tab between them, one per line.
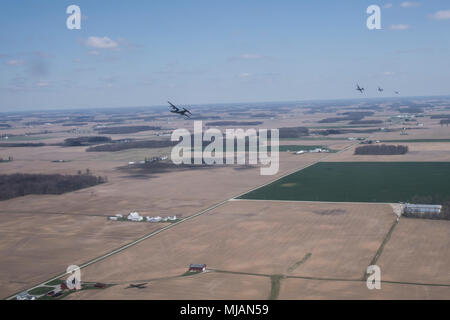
40	290
298	263
380	249
54	282
275	286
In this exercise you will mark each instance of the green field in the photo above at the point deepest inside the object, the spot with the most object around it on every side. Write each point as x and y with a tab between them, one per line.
360	182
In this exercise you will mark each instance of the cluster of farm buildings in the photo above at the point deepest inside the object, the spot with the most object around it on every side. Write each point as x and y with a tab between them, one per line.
56	291
317	150
136	217
148	160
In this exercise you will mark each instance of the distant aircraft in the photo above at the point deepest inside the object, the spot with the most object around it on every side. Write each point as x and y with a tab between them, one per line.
396	92
359	88
137	286
177	110
380	89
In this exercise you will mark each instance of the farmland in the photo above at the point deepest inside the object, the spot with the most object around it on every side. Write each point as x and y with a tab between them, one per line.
360	182
253	249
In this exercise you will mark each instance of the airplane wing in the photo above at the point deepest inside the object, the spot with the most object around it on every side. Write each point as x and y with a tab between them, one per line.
173	107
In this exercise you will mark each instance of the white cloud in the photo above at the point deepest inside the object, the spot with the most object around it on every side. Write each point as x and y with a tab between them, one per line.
42	84
100	43
94	53
387	6
415	50
399	27
409	4
249	56
441	15
14	62
388	73
245	75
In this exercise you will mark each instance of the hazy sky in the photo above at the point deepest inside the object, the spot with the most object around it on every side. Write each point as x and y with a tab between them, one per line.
139	53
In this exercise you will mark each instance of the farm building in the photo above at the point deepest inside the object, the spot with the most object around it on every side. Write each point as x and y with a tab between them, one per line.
154	219
197	267
25	296
134	216
422	208
319	150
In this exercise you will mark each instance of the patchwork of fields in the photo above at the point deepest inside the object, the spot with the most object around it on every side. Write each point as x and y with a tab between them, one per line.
316	227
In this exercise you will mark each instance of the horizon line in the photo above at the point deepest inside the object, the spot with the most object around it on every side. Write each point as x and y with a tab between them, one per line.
227	103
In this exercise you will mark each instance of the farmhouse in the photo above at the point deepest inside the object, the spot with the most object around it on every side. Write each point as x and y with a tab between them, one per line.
197	267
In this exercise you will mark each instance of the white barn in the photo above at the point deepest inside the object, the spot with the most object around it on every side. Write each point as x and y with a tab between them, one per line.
422	208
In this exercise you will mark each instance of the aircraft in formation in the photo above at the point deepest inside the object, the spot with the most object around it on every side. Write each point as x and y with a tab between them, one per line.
174	109
361	89
186	113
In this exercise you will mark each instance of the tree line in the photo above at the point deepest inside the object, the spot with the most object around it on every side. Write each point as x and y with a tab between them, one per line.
381	150
233	123
125	129
22	184
85	141
118	146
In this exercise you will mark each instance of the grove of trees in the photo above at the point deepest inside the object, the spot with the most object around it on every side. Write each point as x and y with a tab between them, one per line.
85	141
381	150
21	184
118	146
